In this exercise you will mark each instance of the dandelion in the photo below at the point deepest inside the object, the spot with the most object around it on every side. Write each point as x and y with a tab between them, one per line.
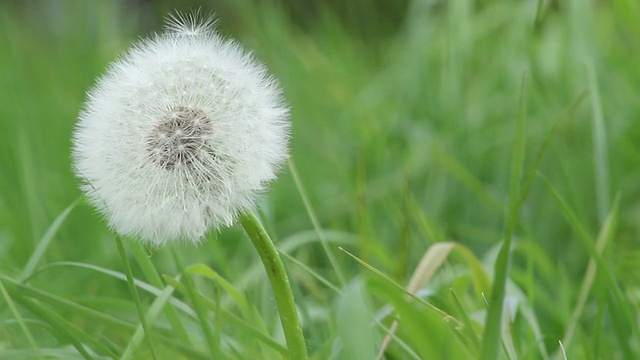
180	135
177	138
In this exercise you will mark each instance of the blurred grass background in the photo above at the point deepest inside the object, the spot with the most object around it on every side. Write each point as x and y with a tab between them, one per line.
404	116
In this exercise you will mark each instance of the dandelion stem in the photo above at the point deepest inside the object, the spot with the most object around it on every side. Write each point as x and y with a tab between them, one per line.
136	298
280	285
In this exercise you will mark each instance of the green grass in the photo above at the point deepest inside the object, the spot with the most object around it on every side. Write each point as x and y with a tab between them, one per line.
461	192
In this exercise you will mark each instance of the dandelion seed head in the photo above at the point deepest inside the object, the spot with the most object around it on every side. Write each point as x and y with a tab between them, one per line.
191	24
180	134
179	138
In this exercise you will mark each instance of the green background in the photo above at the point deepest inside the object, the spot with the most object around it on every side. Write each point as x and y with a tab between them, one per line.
404	124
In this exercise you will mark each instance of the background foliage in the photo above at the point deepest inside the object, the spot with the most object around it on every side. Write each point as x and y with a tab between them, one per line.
405	119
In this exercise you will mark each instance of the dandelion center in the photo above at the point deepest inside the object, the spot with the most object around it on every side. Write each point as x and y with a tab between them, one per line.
179	139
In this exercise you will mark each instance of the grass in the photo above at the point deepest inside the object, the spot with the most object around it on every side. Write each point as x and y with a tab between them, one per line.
481	214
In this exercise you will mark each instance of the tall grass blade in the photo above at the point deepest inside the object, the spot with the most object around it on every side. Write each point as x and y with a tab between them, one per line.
469	324
38	253
59	330
120	276
20	320
600	148
211	305
81	310
492	332
150	317
134	294
466	177
67	332
311	272
248	312
532	171
154	279
431	261
619	306
199	308
606	234
316	223
455	323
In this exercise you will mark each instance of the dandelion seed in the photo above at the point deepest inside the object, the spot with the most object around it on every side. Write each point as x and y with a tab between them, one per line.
180	134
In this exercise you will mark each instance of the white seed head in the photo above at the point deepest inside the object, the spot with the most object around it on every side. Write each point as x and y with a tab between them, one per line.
180	134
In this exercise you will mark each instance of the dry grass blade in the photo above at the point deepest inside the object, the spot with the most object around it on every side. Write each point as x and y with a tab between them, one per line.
431	261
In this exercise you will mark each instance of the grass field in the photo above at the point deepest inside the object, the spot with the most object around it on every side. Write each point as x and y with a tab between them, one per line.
465	165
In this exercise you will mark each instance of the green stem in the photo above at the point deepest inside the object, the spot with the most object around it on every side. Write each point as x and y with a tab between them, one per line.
136	298
280	285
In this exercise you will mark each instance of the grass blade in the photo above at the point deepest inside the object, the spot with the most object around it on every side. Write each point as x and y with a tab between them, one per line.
535	164
154	279
249	312
150	317
25	290
492	333
229	317
60	331
64	330
469	326
606	233
311	272
23	325
201	313
600	153
38	253
619	305
134	293
431	261
455	323
466	177
316	223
